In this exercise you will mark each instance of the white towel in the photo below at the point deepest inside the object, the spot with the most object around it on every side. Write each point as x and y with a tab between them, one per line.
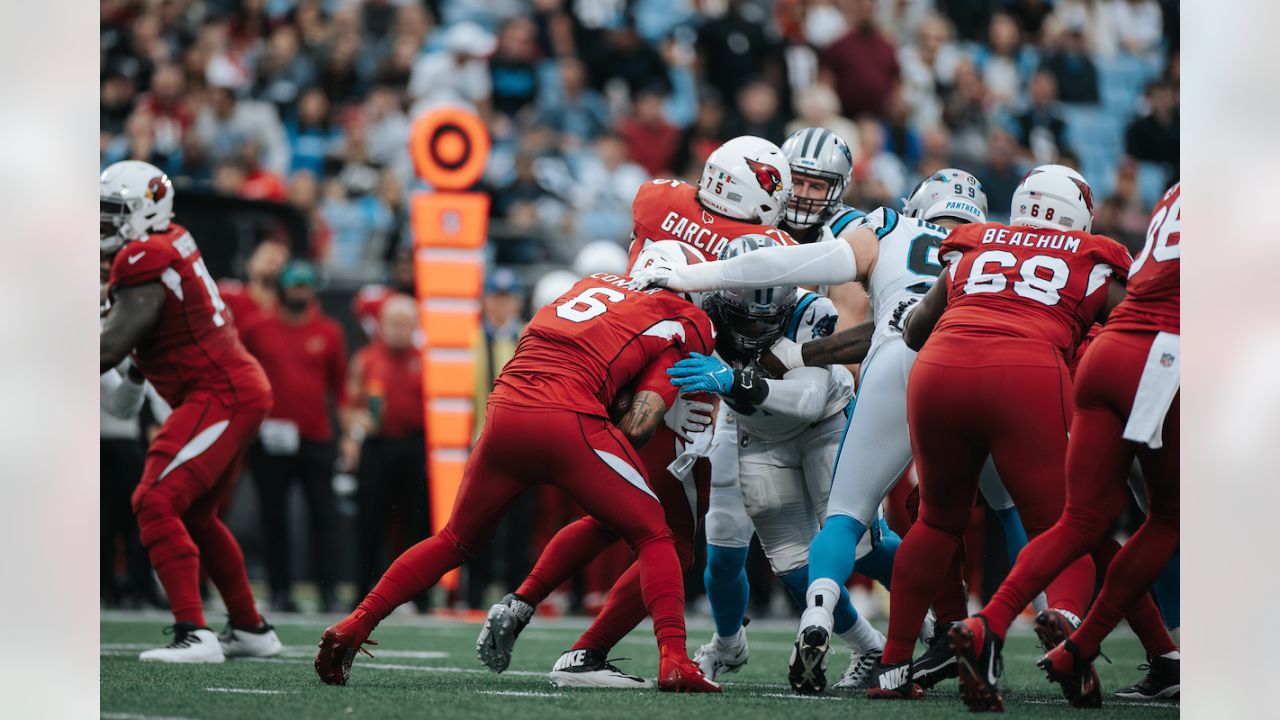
699	445
1156	390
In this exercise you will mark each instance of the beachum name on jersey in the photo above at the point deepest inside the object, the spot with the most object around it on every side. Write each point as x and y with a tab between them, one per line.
1001	236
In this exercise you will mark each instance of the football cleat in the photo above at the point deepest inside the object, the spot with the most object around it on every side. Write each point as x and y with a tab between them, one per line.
677	673
717	658
893	682
1074	674
501	628
860	673
808	668
979	664
191	644
588	668
259	642
1161	682
937	663
1053	627
338	647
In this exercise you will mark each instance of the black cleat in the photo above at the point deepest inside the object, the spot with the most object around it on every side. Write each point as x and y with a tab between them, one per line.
1161	682
1075	674
979	664
893	682
937	663
1053	627
808	670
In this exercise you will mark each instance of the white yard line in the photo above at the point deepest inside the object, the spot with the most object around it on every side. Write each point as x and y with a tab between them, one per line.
793	696
250	691
375	665
518	693
135	716
1172	705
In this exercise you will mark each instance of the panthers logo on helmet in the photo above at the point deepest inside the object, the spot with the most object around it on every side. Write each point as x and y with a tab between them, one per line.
156	188
767	175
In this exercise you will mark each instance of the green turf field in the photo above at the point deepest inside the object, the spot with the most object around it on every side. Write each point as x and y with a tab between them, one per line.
427	668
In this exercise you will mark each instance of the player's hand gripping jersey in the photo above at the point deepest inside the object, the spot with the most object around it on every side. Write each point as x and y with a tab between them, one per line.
669	210
1154	299
193	346
1039	283
596	338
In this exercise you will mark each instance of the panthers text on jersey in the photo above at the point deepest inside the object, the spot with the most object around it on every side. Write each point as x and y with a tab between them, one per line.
814	316
596	338
669	210
1154	299
1028	282
193	346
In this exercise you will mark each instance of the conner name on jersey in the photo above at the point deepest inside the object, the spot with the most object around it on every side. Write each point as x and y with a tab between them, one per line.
699	236
619	281
1056	241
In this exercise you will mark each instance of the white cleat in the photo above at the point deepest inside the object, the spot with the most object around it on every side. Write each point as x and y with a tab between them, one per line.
501	628
259	642
191	644
861	672
588	668
719	657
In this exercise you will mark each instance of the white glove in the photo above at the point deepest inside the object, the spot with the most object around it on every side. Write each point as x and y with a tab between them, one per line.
689	417
656	274
788	353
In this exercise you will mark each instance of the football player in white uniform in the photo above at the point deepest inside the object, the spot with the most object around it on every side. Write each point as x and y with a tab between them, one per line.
895	257
789	430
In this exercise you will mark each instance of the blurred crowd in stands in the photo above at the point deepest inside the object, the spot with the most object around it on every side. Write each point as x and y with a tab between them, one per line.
308	103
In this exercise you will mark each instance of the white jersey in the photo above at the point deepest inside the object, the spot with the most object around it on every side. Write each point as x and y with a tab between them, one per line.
814	316
907	265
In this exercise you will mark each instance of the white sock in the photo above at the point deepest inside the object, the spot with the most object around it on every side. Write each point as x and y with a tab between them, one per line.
820	602
735	640
863	637
1172	655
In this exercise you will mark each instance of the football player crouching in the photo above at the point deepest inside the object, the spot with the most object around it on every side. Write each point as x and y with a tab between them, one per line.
789	430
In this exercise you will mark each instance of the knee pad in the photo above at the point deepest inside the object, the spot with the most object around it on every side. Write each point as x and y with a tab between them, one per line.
161	531
728	528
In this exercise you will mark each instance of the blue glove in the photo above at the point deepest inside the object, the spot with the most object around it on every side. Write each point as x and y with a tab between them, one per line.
701	373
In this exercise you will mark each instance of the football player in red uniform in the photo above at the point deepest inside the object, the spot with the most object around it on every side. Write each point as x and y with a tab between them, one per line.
165	309
1126	404
547	421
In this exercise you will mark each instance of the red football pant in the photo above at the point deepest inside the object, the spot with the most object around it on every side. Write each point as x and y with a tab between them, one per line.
1098	461
191	470
582	454
967	398
579	542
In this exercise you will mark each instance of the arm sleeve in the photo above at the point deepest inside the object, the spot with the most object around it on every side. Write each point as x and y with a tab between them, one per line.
654	376
825	263
801	393
120	396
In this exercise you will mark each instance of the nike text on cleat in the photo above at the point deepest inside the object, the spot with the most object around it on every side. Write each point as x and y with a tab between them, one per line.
1074	674
807	672
191	644
338	647
1161	682
501	628
861	672
259	642
677	673
717	658
1053	627
977	652
937	663
893	682
588	668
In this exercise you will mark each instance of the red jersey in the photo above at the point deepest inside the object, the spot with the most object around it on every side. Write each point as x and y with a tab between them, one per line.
244	309
307	365
193	346
391	388
367	306
1027	282
1154	300
669	210
596	338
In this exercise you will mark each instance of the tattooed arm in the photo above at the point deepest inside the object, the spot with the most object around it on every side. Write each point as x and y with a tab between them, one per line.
643	417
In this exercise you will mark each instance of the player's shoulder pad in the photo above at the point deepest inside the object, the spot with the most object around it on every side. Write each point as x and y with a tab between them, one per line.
882	220
814	316
1114	254
964	237
844	218
143	261
655	190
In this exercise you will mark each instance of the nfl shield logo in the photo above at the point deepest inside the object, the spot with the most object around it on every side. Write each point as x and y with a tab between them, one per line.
1166	359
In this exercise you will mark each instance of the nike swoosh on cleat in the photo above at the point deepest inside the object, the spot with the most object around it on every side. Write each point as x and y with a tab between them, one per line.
135	258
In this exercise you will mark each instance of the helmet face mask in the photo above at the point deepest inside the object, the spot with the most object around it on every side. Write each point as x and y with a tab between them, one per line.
749	321
817	154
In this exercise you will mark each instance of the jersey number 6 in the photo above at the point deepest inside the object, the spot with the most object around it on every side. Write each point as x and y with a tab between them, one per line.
584	306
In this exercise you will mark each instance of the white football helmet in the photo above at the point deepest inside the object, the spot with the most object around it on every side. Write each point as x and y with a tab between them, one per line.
551	286
669	253
747	178
1053	196
949	193
820	153
600	256
136	198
